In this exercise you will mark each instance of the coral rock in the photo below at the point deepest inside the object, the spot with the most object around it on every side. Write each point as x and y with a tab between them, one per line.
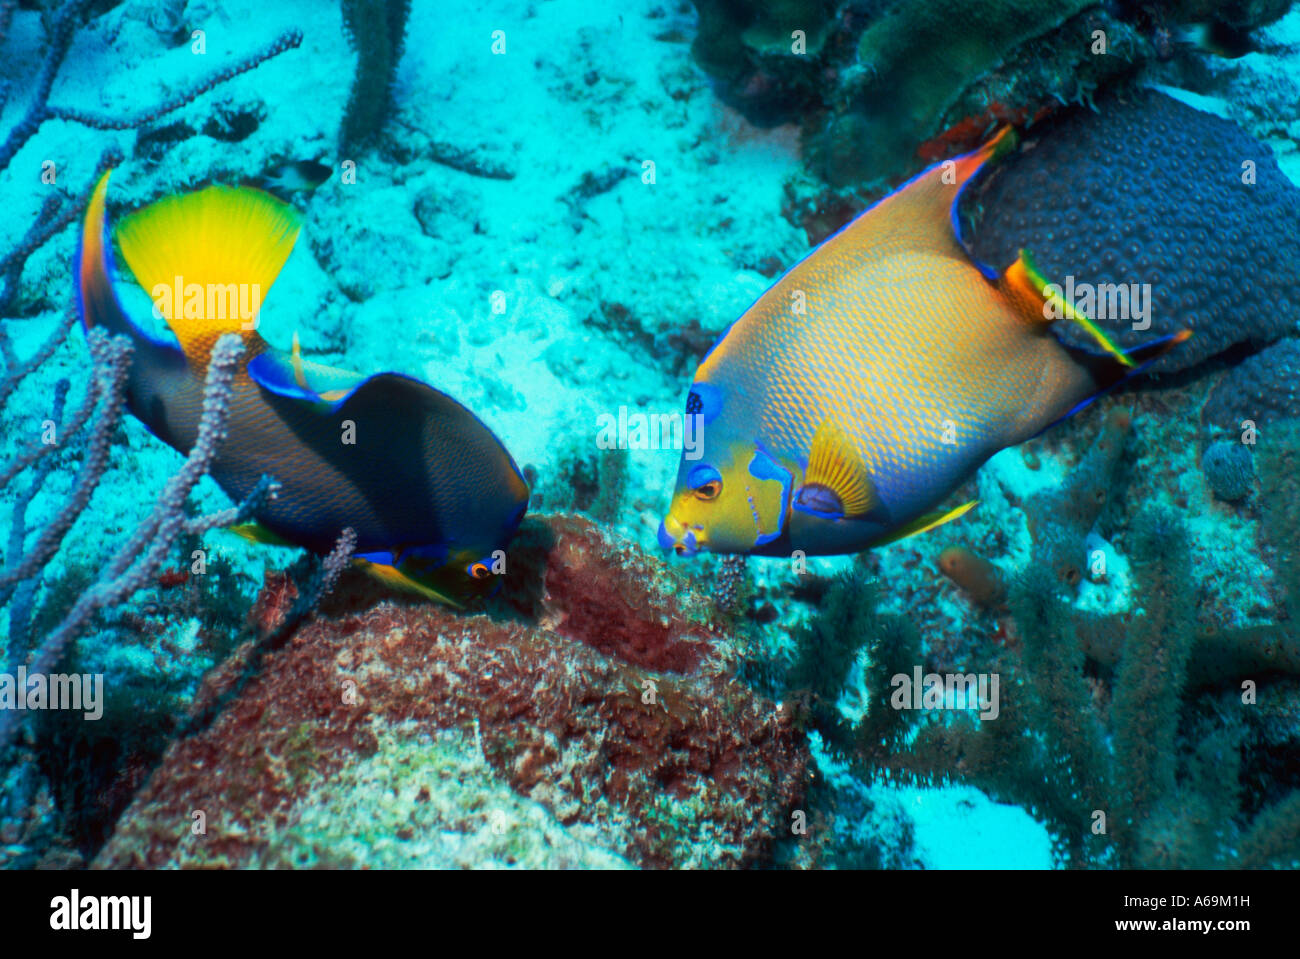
605	703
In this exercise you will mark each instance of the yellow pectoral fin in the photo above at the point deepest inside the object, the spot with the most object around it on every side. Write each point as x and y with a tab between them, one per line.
208	258
394	577
834	465
923	524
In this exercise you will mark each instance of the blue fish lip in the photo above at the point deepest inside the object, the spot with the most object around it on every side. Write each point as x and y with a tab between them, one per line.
686	545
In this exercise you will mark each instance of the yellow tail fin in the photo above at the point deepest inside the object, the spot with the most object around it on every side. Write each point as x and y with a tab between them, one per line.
208	259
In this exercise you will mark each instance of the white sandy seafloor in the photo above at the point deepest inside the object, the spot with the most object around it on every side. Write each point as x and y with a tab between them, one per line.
581	89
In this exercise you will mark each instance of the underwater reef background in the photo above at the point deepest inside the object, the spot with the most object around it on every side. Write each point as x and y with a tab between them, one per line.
551	210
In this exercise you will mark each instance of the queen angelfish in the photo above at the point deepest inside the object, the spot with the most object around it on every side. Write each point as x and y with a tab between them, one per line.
873	379
433	495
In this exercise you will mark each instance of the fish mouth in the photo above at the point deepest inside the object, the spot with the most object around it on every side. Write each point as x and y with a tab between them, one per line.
681	539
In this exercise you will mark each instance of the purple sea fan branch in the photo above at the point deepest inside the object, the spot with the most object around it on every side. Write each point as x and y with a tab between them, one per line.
309	599
105	359
58	39
286	41
17	372
21	596
263	492
321	585
167	522
335	563
55	216
139	560
113	360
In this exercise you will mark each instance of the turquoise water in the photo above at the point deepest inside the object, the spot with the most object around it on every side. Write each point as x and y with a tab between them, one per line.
541	217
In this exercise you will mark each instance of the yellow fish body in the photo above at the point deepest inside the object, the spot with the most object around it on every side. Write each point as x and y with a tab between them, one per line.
872	380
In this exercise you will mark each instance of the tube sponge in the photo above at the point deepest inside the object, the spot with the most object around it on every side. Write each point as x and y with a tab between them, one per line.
978	578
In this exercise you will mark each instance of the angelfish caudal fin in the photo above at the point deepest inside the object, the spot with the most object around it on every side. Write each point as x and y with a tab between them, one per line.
1108	372
207	259
1039	302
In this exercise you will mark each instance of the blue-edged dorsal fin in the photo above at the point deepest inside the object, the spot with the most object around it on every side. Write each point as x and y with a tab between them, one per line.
922	214
384	405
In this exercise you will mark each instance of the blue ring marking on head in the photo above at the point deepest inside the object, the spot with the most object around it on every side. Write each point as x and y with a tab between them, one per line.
710	400
764	467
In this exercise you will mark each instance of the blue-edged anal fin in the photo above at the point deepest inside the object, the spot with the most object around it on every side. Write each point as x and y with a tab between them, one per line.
925	523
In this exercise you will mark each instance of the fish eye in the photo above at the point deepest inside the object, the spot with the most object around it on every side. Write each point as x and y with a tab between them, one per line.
705	482
709	490
478	571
